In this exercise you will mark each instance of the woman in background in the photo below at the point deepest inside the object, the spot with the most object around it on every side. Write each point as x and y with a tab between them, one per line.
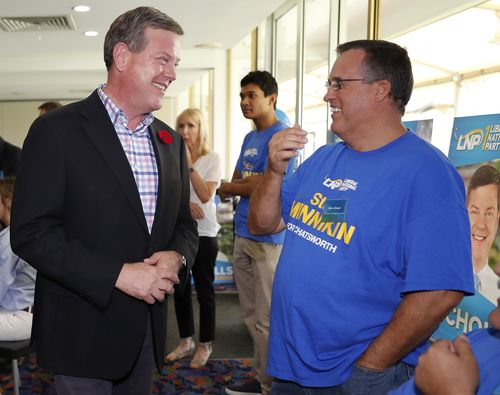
17	278
205	173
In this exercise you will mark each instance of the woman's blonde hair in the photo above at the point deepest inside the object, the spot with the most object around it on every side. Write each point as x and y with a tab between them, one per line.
194	115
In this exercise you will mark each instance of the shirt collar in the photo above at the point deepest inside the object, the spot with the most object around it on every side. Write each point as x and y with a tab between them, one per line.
117	115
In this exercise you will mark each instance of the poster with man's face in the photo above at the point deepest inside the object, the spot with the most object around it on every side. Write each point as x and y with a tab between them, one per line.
475	151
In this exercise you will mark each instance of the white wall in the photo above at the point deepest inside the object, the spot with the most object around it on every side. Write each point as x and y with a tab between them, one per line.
16	119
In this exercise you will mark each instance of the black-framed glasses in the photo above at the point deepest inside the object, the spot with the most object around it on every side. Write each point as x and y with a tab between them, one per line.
337	83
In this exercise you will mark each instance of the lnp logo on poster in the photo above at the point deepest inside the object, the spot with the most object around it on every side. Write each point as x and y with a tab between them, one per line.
469	141
475	139
488	140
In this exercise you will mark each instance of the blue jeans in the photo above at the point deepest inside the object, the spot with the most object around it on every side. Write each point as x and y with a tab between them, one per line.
363	381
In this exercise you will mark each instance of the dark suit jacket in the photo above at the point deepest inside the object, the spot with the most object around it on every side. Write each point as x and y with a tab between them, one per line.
77	217
10	156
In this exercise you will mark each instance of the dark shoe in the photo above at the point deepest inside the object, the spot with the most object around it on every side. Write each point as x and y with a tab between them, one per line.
249	387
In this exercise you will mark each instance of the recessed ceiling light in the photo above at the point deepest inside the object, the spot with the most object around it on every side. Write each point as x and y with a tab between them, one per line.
81	8
91	33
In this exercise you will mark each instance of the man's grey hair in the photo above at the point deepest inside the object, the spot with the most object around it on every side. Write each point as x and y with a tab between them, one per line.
129	29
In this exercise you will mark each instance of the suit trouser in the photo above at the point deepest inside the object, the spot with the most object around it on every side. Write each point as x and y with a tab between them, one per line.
203	276
254	264
137	382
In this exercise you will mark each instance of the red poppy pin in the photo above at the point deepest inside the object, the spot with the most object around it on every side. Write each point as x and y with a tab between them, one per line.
165	136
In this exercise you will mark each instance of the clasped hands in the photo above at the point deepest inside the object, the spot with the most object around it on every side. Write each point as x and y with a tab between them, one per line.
151	279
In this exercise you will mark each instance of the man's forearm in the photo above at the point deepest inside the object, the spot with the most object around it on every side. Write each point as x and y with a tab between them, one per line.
264	214
237	188
414	320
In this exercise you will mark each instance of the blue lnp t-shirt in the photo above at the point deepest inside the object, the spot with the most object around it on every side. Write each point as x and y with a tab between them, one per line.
363	228
253	160
485	344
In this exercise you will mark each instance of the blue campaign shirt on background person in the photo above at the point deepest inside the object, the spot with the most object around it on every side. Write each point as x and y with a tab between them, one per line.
252	161
363	228
282	117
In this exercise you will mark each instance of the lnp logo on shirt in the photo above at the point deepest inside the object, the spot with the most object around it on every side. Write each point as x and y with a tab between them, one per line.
251	152
341	185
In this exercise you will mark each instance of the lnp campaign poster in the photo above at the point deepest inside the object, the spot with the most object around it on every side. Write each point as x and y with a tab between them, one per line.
475	139
474	149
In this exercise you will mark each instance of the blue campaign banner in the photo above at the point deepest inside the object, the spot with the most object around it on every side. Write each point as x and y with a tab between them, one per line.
223	270
475	139
472	313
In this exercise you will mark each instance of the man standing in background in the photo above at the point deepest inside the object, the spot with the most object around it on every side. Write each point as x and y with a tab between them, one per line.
48	106
101	210
255	257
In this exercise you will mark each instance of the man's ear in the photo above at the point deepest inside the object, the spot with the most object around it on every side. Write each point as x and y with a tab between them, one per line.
272	99
383	89
120	56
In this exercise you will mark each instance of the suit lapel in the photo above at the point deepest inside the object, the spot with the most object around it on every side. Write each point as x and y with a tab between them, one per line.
103	135
165	154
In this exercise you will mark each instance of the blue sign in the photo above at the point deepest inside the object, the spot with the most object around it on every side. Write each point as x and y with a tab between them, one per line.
475	139
472	313
223	272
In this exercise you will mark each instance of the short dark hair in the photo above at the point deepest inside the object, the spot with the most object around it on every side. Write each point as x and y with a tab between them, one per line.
386	61
264	80
49	106
485	175
129	29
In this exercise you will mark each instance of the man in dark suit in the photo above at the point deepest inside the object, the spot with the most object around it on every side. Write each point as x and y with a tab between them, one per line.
101	210
10	156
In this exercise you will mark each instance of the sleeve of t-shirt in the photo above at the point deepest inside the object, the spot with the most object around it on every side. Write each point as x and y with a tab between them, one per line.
437	240
214	168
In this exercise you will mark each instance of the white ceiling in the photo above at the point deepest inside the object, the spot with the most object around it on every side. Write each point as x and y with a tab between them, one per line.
44	65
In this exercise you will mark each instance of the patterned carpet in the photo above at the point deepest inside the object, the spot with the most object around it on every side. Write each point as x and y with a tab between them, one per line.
176	378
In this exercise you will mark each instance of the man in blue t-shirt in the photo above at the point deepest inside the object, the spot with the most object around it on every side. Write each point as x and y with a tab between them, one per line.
255	257
377	247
